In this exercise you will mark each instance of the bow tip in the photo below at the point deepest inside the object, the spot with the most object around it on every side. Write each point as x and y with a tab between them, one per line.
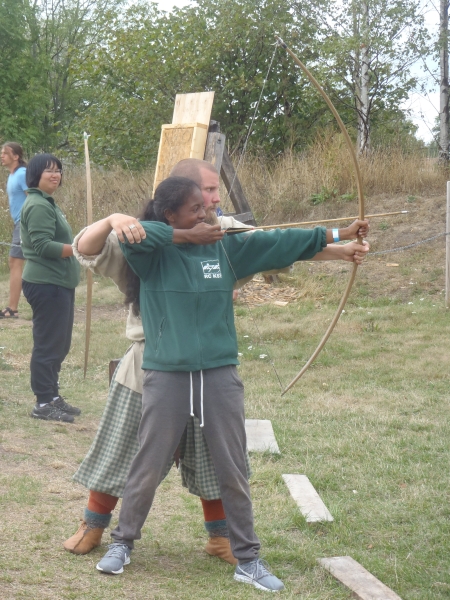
280	42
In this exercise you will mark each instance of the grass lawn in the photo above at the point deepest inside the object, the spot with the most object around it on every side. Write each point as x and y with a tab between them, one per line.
368	424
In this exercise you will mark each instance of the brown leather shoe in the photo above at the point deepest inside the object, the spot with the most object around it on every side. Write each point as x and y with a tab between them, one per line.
85	539
220	547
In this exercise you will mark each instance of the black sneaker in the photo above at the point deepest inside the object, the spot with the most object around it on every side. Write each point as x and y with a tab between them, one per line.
65	407
51	412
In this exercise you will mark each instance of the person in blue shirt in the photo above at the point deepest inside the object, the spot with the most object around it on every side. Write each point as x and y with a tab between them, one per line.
12	159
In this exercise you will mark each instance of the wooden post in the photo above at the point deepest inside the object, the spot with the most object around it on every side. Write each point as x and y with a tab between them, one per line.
234	188
447	248
215	145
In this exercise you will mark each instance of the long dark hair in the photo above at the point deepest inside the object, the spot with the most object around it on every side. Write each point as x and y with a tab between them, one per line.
170	194
17	150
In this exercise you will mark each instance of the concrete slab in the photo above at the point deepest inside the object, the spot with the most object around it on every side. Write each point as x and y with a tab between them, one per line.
307	499
354	576
260	436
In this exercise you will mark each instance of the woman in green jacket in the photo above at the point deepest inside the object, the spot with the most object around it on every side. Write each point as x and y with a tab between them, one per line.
50	277
190	361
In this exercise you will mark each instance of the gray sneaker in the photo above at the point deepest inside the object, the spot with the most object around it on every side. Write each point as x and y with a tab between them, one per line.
114	560
257	573
51	412
61	403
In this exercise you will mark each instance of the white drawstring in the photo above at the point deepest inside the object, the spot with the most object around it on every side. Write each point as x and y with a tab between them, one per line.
191	399
201	397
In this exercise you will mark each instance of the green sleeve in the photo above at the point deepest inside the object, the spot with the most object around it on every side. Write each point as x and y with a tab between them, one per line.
138	255
41	227
258	251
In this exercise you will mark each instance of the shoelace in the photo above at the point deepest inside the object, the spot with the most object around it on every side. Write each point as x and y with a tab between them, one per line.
116	550
55	412
61	402
257	570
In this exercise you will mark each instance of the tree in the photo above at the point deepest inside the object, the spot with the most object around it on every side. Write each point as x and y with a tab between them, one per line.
22	90
444	92
40	42
67	33
225	46
371	46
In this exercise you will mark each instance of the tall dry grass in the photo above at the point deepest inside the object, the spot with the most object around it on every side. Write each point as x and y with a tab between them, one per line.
284	189
313	184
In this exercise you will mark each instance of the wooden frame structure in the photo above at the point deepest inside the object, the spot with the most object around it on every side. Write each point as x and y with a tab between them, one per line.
193	135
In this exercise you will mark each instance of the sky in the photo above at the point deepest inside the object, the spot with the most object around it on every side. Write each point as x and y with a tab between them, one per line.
423	110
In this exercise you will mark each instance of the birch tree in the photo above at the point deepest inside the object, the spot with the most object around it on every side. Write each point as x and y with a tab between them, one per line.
443	83
370	46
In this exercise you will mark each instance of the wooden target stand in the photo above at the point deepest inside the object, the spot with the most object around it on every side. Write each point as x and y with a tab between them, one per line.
192	134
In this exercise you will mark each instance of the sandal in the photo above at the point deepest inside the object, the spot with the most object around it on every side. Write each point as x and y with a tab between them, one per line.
8	313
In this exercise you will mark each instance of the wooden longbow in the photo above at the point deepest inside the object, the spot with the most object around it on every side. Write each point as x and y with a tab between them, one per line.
354	158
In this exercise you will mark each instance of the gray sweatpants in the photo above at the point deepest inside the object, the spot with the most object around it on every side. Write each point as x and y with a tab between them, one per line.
165	411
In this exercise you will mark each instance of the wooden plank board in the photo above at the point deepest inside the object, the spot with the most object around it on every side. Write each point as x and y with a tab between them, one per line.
193	108
260	436
307	499
179	142
354	576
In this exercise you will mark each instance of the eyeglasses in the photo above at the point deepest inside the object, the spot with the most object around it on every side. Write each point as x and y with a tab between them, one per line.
53	171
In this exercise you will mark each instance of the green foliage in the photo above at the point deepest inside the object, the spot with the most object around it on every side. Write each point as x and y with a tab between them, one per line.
326	194
221	46
393	37
21	84
348	197
113	69
39	45
323	196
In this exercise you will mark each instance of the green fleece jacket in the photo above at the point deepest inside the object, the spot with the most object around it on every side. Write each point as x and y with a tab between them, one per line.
43	231
186	290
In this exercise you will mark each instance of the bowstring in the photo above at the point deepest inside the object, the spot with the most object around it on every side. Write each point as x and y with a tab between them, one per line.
250	129
270	359
240	162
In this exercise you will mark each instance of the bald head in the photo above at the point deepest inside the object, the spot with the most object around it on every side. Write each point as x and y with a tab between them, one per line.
205	175
192	168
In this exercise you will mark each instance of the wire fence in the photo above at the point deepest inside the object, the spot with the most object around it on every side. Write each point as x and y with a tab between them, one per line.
378	253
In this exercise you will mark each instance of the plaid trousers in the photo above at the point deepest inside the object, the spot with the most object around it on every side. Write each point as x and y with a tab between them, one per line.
106	465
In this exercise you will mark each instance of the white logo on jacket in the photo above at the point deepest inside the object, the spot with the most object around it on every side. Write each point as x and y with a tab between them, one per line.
211	269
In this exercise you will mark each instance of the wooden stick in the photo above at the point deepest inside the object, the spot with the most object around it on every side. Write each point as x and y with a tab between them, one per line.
287	225
89	281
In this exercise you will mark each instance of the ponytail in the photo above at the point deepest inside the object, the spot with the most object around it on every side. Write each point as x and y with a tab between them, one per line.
133	282
17	150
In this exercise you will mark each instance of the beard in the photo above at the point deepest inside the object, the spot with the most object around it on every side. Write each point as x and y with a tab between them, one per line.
211	216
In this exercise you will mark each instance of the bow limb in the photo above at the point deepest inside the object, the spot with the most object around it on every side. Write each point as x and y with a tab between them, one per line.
354	158
89	280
